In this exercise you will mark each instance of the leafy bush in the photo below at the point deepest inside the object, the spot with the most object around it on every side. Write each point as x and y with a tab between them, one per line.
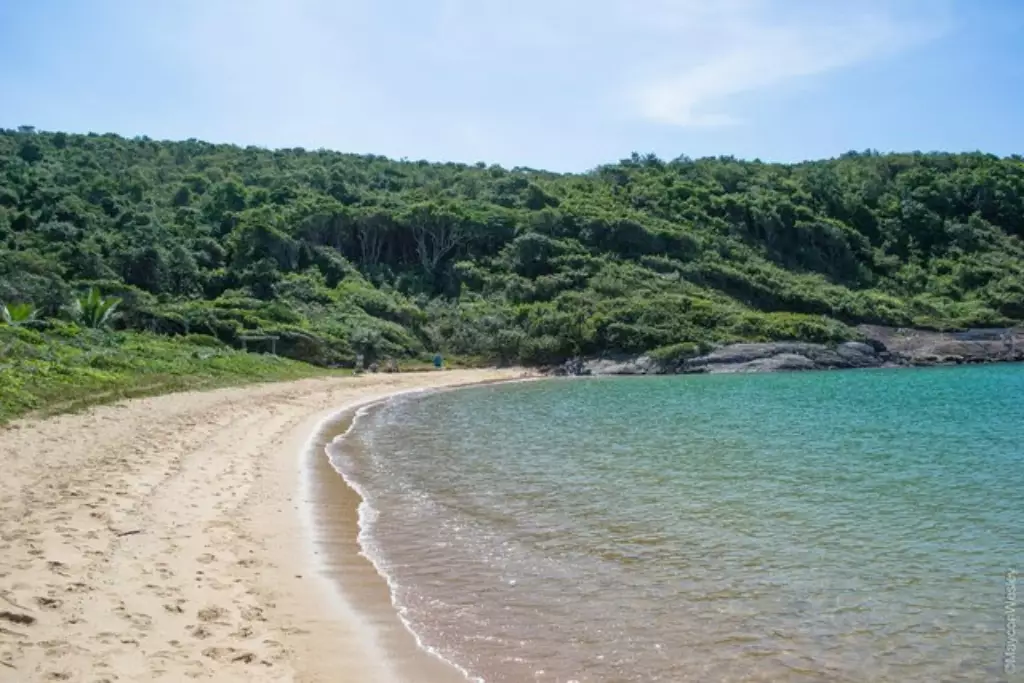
674	354
93	309
18	314
202	340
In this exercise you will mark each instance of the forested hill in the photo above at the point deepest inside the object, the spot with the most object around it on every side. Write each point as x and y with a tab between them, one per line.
338	254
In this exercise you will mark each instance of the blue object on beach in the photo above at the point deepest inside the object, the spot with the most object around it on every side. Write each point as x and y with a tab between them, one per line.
438	361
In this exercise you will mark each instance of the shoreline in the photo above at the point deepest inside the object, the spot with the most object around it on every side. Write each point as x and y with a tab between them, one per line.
334	513
335	504
174	538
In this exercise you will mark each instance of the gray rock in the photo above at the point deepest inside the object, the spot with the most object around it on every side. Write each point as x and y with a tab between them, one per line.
744	353
610	367
572	368
783	362
855	349
928	347
785	356
650	366
642	365
883	347
859	355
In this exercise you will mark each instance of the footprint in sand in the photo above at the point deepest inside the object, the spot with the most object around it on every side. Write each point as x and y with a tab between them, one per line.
200	632
230	654
57	567
49	603
243	633
252	613
161	591
137	619
212	614
16	618
278	649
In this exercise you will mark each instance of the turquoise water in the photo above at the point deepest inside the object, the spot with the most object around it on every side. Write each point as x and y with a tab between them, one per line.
844	526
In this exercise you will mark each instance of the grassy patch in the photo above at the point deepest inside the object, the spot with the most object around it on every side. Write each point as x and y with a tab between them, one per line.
64	368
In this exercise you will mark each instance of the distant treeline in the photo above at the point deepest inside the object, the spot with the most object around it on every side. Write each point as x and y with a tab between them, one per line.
337	254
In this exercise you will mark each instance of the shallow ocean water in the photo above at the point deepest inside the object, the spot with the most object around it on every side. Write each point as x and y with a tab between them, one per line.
843	526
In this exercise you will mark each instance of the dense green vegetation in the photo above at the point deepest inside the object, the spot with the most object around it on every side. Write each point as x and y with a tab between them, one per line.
338	254
64	366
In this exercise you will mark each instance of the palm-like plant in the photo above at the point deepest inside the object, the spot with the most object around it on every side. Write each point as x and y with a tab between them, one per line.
93	310
18	314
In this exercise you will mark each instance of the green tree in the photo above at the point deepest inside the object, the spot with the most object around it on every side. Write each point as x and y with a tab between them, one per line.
30	151
183	276
146	268
262	279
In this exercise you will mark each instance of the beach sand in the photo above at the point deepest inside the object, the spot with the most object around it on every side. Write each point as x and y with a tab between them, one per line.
197	536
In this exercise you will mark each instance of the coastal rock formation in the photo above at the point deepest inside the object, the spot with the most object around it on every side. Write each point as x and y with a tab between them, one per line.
772	356
882	347
779	356
639	365
924	347
642	365
782	361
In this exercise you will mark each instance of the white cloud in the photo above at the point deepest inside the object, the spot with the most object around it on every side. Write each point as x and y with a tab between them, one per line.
753	51
680	61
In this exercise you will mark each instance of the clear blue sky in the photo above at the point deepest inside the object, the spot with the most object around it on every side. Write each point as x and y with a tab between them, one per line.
557	84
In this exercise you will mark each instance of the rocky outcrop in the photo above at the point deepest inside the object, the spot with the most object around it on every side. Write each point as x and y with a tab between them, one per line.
772	356
881	347
778	356
640	365
782	361
766	357
925	347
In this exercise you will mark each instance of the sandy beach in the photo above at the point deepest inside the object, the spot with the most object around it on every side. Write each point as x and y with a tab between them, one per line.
197	536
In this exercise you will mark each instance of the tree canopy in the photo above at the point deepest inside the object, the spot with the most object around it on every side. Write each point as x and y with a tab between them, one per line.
338	254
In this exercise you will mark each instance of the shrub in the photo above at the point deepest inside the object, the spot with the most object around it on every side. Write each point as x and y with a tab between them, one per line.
203	340
93	310
18	314
674	354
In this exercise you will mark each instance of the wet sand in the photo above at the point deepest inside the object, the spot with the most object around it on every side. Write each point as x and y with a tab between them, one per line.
198	536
